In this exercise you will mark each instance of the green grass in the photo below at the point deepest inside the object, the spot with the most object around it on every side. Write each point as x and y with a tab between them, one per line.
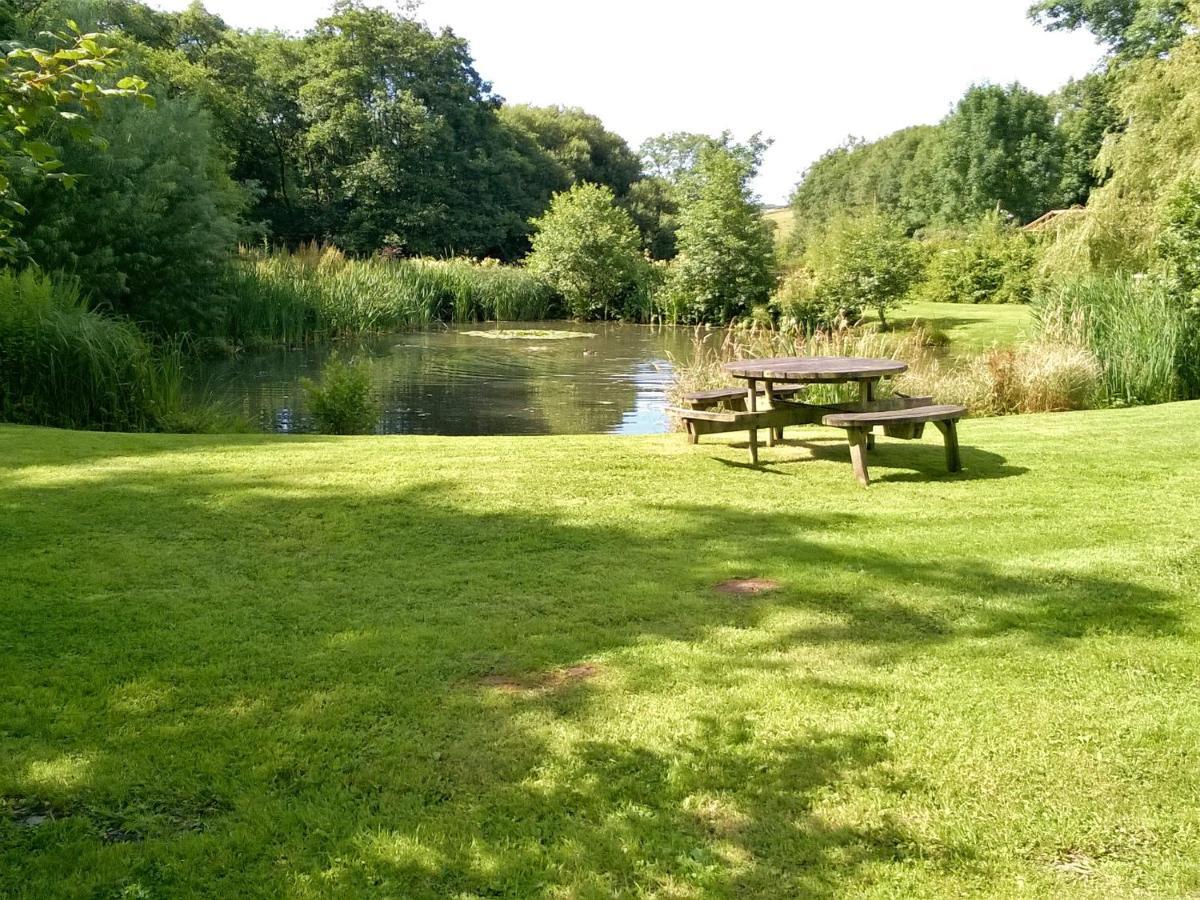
437	667
971	327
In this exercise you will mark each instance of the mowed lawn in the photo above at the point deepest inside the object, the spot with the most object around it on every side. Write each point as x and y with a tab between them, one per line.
968	327
458	667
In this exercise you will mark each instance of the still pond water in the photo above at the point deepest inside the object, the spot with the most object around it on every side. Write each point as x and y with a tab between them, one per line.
611	379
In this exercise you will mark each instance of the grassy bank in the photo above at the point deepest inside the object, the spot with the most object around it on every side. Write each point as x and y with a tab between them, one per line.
250	666
968	327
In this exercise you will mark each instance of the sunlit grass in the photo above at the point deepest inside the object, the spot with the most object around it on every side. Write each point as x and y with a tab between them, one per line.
968	327
439	667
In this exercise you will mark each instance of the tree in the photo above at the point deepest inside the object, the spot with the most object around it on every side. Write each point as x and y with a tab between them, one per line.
1130	28
864	260
652	204
1085	112
579	145
673	156
49	95
889	174
1001	148
589	250
151	223
725	264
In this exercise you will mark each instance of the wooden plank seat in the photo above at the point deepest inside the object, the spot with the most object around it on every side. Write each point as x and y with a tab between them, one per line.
734	397
906	424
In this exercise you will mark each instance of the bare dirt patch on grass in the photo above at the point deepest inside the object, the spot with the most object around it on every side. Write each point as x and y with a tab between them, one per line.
542	683
746	586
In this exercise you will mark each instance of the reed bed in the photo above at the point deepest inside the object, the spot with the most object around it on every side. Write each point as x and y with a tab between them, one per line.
1136	327
66	366
317	292
1037	377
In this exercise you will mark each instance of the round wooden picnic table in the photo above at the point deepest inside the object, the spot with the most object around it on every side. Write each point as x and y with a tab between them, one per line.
810	370
815	368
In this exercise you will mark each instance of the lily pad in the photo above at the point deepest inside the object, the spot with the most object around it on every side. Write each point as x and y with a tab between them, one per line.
527	334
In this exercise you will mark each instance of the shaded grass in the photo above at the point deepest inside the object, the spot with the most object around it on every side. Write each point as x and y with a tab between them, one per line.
253	666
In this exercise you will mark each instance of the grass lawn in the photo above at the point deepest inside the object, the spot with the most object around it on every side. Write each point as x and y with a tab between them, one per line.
971	327
457	667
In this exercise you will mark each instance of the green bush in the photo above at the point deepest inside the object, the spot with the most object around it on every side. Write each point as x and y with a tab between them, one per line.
65	366
994	262
342	403
864	261
589	250
799	303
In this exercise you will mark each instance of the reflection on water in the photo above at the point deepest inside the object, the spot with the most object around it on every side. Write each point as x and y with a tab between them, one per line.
447	382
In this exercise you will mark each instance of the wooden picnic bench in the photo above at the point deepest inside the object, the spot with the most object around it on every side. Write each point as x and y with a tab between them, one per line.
899	416
907	424
733	397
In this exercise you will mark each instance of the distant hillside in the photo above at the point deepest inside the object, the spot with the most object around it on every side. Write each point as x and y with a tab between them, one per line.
783	217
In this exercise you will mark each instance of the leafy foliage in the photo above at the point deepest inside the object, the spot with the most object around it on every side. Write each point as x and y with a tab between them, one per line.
864	261
45	93
1001	149
342	402
887	174
578	146
151	225
588	248
725	265
992	262
1128	27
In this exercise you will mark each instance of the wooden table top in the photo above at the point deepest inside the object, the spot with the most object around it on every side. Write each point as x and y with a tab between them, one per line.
815	368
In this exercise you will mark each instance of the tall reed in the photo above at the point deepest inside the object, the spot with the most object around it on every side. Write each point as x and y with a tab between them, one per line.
66	366
1136	327
317	292
1037	377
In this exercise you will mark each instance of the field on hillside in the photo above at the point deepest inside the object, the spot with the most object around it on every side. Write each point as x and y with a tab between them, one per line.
783	217
432	667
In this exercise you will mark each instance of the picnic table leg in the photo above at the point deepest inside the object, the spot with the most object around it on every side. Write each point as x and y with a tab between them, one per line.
858	456
949	430
866	392
752	406
767	388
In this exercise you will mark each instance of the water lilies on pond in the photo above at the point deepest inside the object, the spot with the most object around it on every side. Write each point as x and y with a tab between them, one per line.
527	334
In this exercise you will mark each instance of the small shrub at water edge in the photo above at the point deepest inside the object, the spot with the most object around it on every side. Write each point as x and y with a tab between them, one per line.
342	403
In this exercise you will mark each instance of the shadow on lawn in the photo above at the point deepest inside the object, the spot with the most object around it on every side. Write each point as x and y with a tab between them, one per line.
295	677
926	460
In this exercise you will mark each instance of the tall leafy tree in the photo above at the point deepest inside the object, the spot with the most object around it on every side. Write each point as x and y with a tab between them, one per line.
1130	28
152	221
725	264
1001	148
1085	112
578	145
588	248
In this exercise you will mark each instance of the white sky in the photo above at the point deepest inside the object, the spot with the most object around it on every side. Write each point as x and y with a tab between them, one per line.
805	72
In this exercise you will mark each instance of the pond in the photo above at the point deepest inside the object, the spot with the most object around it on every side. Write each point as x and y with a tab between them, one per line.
495	378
